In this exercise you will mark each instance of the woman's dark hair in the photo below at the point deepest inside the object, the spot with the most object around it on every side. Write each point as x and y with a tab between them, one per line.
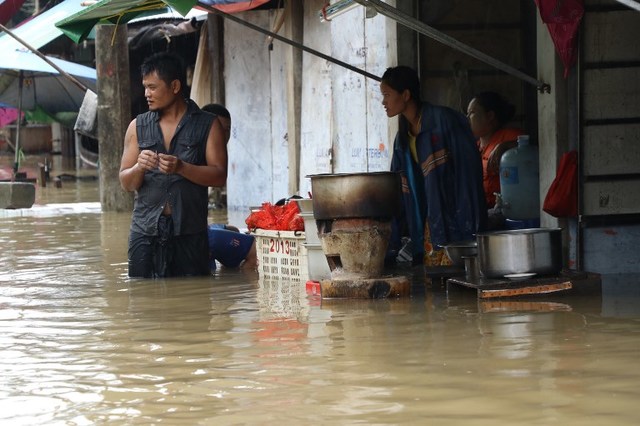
218	110
169	67
403	78
492	101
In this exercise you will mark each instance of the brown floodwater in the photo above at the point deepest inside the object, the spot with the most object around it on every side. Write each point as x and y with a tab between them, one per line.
83	344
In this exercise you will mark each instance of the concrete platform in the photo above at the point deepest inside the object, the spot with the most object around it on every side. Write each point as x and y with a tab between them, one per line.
51	210
17	195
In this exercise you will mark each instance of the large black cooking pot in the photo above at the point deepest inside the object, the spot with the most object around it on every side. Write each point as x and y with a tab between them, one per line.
520	251
352	195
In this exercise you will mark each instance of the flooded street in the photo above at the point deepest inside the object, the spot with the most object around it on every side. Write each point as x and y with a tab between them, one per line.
82	344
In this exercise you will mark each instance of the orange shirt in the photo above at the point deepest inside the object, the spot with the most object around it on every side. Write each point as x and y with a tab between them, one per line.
491	180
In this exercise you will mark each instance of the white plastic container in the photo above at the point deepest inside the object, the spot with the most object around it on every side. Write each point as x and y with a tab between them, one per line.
281	255
317	262
519	181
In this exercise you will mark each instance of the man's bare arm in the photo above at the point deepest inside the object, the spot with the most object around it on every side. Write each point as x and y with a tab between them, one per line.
214	173
135	162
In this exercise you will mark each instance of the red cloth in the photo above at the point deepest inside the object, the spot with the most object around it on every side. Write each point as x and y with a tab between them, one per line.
562	197
277	218
562	18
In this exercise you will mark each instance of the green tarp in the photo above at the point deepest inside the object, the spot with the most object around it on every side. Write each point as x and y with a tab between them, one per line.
79	25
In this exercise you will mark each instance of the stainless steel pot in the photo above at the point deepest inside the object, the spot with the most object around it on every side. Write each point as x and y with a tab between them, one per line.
353	195
520	251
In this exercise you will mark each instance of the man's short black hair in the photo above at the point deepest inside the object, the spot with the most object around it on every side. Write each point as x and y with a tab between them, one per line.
168	66
218	110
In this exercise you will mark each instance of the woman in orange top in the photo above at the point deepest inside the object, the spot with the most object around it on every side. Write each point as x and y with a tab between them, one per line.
488	114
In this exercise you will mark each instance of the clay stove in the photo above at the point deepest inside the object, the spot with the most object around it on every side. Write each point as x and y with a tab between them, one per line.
353	213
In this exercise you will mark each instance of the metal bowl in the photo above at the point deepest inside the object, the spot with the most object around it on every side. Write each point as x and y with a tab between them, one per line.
456	251
353	195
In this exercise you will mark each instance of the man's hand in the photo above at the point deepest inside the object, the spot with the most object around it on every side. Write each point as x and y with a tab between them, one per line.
168	164
148	160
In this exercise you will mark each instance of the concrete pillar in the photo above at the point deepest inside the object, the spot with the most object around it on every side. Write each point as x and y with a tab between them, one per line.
114	112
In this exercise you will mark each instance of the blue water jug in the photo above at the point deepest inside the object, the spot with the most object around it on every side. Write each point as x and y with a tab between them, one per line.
520	181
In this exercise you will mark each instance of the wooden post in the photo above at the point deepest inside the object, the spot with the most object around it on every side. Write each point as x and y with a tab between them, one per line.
215	31
114	112
293	61
42	177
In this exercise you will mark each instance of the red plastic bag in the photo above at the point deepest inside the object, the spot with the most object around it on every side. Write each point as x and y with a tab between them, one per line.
562	197
277	218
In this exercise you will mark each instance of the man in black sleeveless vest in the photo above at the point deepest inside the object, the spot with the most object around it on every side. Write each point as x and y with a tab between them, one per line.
172	154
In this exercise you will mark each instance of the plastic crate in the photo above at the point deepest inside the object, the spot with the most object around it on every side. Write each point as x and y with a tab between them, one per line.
281	255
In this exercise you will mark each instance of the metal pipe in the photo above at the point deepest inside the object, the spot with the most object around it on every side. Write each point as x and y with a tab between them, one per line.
16	158
422	28
330	11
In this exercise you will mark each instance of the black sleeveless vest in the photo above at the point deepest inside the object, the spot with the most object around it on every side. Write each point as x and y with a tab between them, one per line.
188	201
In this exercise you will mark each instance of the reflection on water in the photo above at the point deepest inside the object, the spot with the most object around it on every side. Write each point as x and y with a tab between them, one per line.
83	344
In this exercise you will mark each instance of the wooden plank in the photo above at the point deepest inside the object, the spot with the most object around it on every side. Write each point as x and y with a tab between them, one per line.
468	13
378	31
602	38
349	132
522	291
279	124
251	150
491	305
315	128
612	197
611	93
611	149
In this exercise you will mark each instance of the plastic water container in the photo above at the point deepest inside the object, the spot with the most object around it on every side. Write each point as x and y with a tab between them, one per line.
520	181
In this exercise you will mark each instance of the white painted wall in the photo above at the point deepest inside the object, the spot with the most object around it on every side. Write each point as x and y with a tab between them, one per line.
343	125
